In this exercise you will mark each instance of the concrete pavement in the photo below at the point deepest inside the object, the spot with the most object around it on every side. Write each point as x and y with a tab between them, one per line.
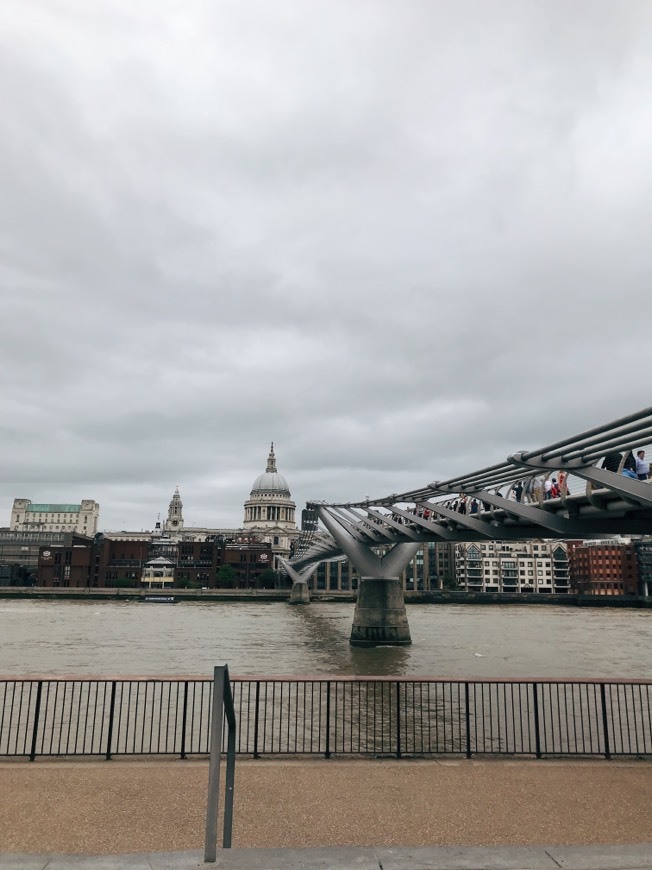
632	857
318	813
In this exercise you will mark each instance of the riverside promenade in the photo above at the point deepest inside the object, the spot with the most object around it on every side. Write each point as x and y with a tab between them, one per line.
329	813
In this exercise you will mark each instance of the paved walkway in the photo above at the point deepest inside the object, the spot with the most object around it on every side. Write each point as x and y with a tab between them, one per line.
365	810
637	857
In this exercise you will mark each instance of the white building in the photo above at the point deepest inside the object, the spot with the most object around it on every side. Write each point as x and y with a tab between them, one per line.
513	566
269	510
80	518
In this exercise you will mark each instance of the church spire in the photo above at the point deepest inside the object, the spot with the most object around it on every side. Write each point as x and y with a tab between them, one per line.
271	460
174	521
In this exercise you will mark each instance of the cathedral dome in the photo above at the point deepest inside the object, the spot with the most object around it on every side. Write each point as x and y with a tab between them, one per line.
270	480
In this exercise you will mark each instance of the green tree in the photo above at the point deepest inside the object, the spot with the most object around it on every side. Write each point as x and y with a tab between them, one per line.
449	582
226	577
266	579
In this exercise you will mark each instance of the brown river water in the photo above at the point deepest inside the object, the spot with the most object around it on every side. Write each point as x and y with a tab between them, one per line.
475	641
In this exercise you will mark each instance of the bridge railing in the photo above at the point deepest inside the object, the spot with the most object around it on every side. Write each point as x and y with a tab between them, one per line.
364	716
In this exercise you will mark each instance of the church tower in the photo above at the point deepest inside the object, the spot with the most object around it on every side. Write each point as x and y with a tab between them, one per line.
174	522
269	510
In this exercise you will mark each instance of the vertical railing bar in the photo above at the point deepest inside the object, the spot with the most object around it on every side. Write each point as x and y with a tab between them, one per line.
135	718
184	718
560	730
144	716
605	724
537	734
54	716
79	714
152	705
5	689
581	718
398	719
4	712
110	728
20	716
327	754
120	703
160	713
97	692
256	715
635	718
70	717
265	716
620	720
37	712
629	733
467	715
44	721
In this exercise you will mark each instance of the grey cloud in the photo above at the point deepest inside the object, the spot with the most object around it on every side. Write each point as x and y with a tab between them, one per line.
402	240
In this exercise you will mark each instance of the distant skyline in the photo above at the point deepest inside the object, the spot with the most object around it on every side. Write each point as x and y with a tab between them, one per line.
400	240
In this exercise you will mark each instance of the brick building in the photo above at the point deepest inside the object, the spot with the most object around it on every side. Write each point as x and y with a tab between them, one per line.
20	550
107	562
607	567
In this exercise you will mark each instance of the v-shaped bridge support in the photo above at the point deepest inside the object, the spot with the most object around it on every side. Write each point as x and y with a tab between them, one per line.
380	618
299	593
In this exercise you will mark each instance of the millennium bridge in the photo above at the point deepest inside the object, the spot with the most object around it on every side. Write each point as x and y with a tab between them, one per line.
579	487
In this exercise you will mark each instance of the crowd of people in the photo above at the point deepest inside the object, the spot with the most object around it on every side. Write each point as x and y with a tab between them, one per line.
535	489
635	467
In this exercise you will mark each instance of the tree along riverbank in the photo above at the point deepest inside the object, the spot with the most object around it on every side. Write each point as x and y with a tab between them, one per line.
266	595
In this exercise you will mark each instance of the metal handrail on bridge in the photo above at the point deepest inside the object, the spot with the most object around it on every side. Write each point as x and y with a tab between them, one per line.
502	513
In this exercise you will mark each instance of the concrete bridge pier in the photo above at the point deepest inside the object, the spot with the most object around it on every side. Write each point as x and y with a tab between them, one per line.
299	593
379	618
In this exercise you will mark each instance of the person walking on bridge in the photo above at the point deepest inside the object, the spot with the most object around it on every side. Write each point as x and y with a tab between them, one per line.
642	467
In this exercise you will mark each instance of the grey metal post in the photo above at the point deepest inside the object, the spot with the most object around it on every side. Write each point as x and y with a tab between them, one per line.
217	707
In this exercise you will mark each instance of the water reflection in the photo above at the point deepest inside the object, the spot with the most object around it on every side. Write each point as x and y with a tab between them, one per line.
332	633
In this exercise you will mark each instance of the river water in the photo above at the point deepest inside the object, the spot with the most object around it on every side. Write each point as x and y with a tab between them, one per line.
475	641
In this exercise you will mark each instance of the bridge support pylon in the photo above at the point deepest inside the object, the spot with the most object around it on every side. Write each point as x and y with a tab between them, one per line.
299	593
379	618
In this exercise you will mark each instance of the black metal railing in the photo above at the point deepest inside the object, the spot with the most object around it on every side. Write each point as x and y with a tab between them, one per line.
378	716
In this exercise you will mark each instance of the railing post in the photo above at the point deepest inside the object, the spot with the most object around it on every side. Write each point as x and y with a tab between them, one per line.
398	719
256	719
467	715
217	708
184	719
328	719
109	736
37	713
605	723
537	734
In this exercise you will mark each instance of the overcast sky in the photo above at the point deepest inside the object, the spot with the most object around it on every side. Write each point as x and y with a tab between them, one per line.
400	239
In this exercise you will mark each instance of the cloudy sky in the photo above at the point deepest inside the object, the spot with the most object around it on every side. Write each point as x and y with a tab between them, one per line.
401	239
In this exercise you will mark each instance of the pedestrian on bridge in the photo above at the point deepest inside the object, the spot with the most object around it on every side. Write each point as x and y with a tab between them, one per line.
642	467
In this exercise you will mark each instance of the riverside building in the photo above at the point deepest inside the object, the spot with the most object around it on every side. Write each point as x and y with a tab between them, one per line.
82	518
607	567
507	566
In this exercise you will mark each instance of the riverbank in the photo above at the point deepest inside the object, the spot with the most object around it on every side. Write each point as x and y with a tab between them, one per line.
279	595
